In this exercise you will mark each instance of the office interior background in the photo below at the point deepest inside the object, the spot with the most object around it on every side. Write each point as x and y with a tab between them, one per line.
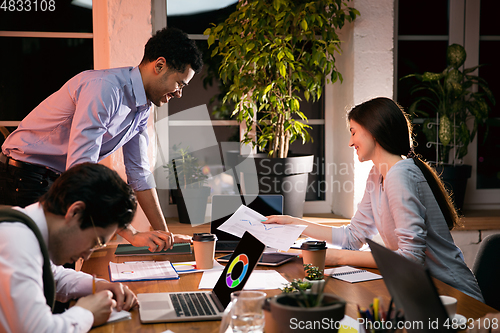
391	38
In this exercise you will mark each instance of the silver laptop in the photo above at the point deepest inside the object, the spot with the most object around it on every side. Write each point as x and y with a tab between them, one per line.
223	206
204	305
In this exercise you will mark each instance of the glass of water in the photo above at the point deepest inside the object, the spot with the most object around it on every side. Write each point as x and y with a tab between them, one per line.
247	315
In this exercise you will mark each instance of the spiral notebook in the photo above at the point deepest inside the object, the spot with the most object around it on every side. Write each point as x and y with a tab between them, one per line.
351	274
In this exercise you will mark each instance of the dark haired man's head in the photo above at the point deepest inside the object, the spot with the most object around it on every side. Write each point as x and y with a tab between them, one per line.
177	49
108	199
387	123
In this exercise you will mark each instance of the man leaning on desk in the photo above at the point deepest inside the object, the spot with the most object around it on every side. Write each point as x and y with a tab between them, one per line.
93	115
82	210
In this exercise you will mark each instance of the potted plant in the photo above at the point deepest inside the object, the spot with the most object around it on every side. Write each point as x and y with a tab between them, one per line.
187	179
271	54
456	96
315	277
301	304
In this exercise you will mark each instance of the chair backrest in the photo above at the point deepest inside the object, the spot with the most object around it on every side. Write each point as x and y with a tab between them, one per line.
487	270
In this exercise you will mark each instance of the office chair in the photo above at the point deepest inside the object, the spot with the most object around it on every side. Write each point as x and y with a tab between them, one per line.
487	270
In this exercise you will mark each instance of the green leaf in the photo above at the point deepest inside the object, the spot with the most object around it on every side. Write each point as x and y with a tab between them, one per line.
282	68
281	54
307	95
211	40
303	24
445	130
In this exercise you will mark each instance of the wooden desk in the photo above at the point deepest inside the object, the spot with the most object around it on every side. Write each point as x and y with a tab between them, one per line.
361	294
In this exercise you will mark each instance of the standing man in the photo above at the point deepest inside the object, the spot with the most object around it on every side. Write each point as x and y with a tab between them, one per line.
80	213
90	117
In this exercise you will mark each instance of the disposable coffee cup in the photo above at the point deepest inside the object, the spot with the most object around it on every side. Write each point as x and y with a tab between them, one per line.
204	250
450	304
314	253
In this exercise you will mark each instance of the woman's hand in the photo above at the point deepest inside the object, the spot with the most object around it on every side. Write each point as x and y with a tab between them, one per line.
333	257
280	219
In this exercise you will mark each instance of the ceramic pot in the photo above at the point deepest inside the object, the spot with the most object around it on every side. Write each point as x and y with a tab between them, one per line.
290	317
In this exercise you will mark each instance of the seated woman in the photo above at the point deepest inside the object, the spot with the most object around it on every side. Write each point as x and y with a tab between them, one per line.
398	203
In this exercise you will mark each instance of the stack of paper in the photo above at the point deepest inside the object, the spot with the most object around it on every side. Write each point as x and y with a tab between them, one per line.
279	236
142	271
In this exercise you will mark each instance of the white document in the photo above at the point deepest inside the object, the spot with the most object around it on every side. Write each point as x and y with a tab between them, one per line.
349	325
190	267
259	280
280	236
119	316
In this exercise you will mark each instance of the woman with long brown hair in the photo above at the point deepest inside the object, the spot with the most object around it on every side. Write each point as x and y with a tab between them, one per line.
404	201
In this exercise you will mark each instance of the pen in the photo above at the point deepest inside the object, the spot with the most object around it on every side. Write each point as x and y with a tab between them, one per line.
93	284
375	308
388	316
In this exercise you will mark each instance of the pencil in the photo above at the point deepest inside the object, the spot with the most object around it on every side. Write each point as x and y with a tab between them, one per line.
93	284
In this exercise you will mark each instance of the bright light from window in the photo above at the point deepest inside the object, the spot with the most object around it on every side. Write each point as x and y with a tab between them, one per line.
82	3
189	7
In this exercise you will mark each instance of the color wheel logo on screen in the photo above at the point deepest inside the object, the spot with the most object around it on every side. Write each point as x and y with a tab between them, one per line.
233	283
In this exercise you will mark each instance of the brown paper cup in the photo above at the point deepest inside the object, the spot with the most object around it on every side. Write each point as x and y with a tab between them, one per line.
315	258
204	250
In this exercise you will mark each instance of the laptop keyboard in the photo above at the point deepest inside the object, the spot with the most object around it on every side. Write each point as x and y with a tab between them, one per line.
192	304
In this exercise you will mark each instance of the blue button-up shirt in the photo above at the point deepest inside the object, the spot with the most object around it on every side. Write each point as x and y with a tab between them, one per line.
90	117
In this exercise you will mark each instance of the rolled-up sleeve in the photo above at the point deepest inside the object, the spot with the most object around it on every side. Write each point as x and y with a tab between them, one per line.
408	214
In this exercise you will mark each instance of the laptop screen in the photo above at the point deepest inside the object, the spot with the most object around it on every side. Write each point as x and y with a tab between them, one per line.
239	267
223	206
412	289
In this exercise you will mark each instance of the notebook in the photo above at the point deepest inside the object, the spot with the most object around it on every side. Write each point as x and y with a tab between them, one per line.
412	289
204	305
130	250
223	206
351	274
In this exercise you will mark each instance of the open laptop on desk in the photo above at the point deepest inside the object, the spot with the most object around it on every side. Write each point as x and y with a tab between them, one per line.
412	289
223	206
204	305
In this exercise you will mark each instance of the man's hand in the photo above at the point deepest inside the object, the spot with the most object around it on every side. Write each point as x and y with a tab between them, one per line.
178	238
101	304
124	297
156	240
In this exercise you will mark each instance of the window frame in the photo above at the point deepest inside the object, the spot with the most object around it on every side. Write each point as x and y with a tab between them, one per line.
464	22
159	21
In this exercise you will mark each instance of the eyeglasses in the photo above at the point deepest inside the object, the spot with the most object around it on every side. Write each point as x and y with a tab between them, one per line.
99	244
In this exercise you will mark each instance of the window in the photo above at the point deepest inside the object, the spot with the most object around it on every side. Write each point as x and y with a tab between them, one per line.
204	88
41	51
471	24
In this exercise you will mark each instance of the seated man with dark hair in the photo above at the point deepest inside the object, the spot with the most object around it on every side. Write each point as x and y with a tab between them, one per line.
80	213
